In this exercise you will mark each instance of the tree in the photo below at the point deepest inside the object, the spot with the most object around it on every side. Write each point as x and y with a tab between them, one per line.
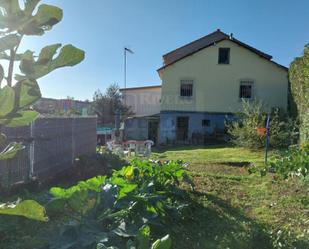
16	99
107	105
18	93
299	80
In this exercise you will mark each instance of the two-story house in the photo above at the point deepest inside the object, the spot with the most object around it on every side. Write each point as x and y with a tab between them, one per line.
204	82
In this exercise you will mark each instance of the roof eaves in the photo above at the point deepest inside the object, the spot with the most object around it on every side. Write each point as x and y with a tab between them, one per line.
141	87
189	44
259	52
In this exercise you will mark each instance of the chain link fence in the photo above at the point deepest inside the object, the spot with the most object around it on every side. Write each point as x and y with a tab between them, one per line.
51	146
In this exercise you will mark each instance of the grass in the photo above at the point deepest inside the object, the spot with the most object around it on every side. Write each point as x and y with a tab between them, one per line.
229	207
233	209
212	154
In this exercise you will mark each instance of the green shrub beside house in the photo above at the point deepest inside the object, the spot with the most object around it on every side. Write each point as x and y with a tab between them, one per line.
245	131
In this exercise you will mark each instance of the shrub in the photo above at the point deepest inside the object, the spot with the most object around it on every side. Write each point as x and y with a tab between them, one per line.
243	131
292	163
299	81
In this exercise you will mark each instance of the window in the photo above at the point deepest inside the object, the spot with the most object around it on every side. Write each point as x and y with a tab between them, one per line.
186	88
245	90
205	122
224	56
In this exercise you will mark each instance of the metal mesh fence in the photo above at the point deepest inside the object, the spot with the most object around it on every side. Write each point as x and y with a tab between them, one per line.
51	146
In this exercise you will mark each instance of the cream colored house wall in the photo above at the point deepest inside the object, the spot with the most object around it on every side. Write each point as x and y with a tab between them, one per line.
143	101
216	86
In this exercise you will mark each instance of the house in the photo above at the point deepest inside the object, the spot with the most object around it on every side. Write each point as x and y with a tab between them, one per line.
144	101
204	82
62	107
145	105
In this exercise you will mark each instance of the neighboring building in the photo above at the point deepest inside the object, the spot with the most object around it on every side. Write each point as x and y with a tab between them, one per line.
204	82
145	105
62	106
144	101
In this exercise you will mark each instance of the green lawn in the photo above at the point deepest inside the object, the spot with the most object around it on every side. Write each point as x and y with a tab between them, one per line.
211	154
229	208
233	209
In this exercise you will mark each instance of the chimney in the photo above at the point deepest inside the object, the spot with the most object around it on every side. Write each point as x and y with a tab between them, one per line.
218	30
231	36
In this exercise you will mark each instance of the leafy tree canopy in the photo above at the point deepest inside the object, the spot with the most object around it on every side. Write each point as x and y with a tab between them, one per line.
107	105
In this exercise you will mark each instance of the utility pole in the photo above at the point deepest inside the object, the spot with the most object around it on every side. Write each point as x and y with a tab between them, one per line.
125	72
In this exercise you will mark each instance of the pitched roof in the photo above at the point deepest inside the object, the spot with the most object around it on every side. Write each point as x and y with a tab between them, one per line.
204	42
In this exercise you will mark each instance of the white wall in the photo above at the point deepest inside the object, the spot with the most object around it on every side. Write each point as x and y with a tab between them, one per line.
216	86
143	101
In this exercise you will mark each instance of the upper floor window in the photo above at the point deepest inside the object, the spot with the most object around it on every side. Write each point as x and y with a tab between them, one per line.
186	88
245	89
224	56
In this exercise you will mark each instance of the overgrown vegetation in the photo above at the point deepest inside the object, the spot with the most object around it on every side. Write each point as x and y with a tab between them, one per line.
293	162
244	131
299	78
121	211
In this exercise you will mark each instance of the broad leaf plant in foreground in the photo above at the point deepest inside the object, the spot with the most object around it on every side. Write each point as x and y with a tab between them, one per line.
18	92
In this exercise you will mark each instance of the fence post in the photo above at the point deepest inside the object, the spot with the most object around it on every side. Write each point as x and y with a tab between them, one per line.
31	150
73	140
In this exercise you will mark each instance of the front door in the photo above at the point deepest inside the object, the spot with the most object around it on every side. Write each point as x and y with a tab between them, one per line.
182	128
153	126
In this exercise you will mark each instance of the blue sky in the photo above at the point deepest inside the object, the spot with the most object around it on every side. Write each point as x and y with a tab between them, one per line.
152	28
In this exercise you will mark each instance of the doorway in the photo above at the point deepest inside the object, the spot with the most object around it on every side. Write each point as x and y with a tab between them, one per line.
153	126
182	128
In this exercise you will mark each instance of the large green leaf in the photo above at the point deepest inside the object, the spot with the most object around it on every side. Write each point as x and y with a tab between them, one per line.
30	5
48	53
45	18
7	100
164	243
29	209
68	56
1	74
48	15
11	16
10	151
27	63
11	6
28	92
9	41
143	237
21	118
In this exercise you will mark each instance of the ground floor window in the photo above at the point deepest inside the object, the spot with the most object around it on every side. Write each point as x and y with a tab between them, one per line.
205	122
